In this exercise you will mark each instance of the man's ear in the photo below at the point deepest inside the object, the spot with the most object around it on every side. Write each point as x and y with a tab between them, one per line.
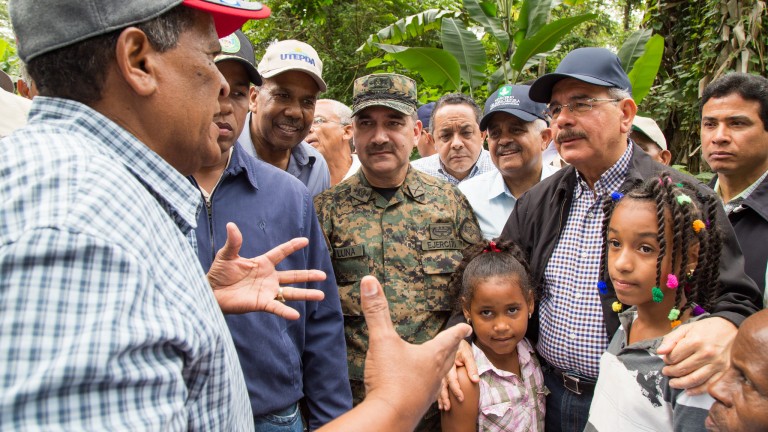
137	61
346	133
628	109
253	94
666	157
546	137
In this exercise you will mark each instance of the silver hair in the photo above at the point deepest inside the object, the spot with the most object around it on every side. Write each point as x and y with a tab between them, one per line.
617	93
538	125
343	112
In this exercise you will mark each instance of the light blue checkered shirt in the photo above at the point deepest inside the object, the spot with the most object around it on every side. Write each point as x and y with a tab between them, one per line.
433	166
572	335
106	319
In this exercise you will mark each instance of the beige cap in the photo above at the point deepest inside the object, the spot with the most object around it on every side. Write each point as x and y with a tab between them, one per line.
649	127
287	55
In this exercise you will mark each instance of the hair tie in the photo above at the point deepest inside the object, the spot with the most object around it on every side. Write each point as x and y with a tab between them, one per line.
491	247
673	314
658	296
707	223
615	196
617	306
683	199
675	323
602	287
672	282
679	185
698	310
698	225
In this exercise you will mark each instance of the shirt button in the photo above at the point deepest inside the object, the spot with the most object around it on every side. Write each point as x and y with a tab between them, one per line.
577	295
572	335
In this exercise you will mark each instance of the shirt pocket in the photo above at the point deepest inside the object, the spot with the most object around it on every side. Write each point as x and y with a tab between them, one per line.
349	272
514	417
438	266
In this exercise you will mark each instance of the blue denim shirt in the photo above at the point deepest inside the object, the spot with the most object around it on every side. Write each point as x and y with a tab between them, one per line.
282	360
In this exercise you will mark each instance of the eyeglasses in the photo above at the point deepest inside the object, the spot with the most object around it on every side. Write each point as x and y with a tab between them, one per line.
578	105
317	121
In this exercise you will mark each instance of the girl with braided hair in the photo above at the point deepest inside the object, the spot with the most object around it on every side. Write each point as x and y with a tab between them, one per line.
497	297
661	252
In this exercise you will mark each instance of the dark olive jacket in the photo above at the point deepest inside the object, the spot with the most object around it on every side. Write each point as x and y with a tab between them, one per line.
540	215
750	222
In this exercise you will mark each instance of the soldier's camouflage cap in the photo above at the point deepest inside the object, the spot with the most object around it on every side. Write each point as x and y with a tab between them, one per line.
389	90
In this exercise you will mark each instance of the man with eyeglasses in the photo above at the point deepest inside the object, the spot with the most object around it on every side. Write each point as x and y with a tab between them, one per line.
558	223
331	135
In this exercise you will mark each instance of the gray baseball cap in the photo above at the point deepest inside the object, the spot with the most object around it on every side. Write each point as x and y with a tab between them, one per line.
42	26
237	47
649	127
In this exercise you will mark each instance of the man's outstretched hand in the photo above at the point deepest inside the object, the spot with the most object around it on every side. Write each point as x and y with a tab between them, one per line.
401	380
251	284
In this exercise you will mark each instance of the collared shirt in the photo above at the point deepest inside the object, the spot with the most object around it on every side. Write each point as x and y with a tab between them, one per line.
509	402
283	360
107	321
305	162
492	201
352	168
736	201
433	166
572	330
633	395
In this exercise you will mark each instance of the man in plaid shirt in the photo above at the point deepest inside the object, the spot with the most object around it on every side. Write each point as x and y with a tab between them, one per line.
107	321
558	224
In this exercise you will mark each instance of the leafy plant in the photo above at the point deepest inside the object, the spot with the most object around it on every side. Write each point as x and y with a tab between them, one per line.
513	38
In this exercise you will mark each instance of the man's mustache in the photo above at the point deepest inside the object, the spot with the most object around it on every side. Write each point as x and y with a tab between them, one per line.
569	135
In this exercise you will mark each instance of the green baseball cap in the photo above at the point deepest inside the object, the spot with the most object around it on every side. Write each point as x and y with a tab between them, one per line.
389	90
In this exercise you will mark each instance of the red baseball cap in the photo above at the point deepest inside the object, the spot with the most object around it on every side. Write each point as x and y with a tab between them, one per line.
229	15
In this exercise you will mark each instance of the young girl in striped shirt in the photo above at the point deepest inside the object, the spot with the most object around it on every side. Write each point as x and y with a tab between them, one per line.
662	254
497	299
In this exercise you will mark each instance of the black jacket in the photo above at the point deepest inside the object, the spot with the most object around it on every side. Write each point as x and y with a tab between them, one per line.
750	222
540	215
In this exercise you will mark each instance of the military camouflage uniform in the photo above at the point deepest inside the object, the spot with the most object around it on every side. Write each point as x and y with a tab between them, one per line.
412	244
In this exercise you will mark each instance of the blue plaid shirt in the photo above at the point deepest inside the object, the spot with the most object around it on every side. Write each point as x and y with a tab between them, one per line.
433	166
572	336
106	319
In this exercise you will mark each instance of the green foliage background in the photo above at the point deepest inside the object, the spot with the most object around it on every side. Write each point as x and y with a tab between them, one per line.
703	40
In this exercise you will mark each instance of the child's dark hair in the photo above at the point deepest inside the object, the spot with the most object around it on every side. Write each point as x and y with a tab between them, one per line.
693	219
490	259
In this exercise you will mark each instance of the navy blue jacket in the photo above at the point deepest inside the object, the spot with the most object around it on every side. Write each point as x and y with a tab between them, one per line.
282	360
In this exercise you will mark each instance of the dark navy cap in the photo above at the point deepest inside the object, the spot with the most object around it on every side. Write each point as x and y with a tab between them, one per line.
514	100
597	66
425	113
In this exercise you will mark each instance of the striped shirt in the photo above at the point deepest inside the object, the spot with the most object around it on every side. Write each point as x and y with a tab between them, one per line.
509	402
572	333
433	166
106	319
633	395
